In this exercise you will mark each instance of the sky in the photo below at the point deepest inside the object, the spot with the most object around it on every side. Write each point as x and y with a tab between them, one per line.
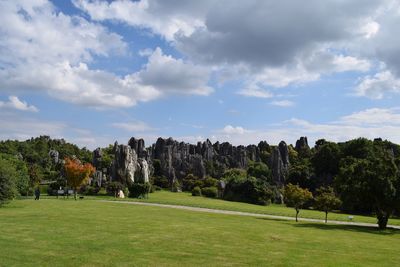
93	72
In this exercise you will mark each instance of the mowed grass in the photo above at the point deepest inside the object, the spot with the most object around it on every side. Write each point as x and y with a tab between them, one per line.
186	199
53	232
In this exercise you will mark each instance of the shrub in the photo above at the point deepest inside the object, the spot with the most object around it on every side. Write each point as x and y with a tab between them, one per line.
89	190
156	188
139	190
113	188
210	182
188	182
209	191
161	181
259	170
249	190
176	186
196	191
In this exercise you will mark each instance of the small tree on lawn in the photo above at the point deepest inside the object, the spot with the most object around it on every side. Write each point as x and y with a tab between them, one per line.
326	200
77	173
296	197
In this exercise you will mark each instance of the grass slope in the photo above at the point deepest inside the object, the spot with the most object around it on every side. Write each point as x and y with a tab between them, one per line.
186	199
60	232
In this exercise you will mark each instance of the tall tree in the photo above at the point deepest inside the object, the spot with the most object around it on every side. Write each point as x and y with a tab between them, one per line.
326	200
77	173
296	197
372	182
7	181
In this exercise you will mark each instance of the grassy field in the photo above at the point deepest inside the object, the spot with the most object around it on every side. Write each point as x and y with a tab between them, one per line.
186	199
53	232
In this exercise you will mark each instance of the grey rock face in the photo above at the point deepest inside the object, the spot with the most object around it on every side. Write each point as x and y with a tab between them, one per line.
279	163
134	162
138	146
97	157
54	155
127	168
124	165
178	159
302	143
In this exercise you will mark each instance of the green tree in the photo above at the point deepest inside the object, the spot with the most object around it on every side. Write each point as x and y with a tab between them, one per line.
326	200
259	170
326	161
7	181
21	176
371	182
296	197
301	173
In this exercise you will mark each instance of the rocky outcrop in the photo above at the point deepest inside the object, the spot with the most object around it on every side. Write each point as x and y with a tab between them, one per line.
97	157
124	164
127	168
279	163
138	146
302	144
175	160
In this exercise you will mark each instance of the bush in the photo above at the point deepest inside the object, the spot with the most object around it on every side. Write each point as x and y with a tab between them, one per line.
249	190
259	170
176	186
196	191
210	182
139	190
113	188
209	191
89	190
161	181
188	182
156	188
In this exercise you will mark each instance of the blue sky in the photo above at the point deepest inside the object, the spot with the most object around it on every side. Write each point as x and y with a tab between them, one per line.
93	72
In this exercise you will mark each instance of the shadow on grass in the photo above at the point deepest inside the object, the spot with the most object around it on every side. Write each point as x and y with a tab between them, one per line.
329	227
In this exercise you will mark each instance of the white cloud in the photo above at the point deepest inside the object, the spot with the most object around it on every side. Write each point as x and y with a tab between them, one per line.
286	75
348	63
373	117
283	103
254	90
45	50
167	74
15	126
370	29
136	126
283	43
15	103
229	129
161	17
370	123
377	86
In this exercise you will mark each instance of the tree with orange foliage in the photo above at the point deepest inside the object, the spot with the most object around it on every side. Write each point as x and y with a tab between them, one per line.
77	173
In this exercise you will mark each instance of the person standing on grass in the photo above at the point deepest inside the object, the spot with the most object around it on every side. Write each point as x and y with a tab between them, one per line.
37	193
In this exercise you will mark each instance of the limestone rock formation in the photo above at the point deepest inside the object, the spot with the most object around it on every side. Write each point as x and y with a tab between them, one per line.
127	168
97	157
175	160
279	163
301	144
124	164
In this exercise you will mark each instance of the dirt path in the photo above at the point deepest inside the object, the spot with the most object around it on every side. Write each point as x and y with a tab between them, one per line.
229	212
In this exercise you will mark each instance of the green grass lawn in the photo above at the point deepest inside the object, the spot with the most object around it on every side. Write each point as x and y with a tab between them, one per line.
53	232
186	199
